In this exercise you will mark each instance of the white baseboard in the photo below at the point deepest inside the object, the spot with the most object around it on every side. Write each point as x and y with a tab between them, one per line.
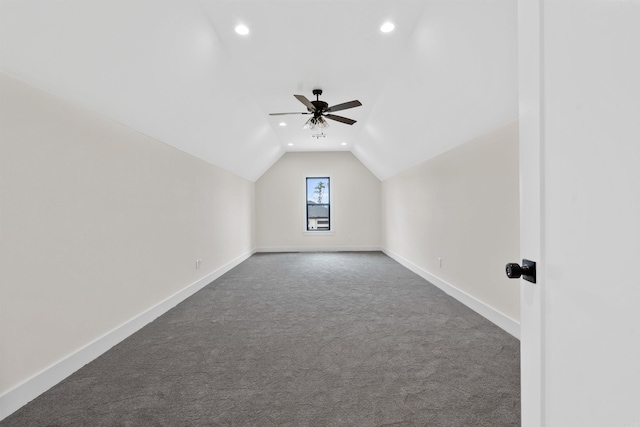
500	319
319	249
23	393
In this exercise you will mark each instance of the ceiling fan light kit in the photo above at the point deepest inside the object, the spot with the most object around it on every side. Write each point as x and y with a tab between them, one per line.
321	111
313	122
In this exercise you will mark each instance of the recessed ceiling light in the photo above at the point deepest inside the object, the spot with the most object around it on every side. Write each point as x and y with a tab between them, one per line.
290	144
387	27
243	30
344	143
283	124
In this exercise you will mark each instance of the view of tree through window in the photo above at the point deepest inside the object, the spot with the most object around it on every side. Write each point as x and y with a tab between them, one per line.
318	207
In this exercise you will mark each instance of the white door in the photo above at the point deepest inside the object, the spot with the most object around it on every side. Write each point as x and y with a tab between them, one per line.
580	218
531	296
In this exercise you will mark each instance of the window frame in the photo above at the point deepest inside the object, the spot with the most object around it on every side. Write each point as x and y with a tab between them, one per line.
318	231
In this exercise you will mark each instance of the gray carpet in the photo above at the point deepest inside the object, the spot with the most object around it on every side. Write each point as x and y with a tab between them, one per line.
311	339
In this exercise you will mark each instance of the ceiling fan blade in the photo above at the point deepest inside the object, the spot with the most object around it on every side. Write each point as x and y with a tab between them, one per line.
283	114
340	119
344	106
306	102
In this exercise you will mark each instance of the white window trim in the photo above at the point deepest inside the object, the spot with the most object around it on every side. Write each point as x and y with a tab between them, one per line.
304	207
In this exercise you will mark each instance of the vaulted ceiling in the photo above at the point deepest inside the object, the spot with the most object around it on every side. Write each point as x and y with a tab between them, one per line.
177	71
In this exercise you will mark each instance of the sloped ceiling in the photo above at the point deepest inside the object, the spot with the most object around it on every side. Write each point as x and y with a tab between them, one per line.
176	71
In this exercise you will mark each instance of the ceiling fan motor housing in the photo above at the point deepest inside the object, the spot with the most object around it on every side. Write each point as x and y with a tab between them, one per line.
321	106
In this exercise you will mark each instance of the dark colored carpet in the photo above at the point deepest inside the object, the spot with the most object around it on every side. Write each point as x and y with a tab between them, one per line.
310	339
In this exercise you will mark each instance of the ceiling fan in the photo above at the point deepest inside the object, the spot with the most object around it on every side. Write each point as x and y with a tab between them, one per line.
321	109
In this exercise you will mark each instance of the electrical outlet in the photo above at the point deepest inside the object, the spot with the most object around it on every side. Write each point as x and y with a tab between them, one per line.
198	263
439	262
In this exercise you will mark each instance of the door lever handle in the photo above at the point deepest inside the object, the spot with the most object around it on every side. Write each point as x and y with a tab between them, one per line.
527	271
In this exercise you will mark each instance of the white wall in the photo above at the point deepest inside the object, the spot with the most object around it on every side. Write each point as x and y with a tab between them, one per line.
462	207
99	224
355	208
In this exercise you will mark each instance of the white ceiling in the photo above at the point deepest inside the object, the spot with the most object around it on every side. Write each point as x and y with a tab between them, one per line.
176	71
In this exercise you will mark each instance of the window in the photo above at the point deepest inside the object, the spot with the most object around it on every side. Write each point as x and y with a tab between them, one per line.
318	204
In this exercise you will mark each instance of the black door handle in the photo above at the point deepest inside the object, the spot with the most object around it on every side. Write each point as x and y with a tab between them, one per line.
527	271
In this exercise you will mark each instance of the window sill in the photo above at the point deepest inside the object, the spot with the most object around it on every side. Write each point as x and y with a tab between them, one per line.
318	233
